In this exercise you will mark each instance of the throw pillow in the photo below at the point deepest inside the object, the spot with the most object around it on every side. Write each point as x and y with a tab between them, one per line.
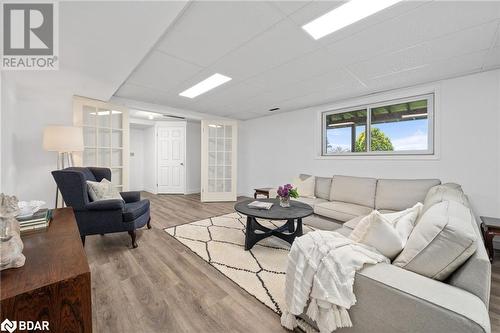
102	190
388	233
305	186
445	192
441	242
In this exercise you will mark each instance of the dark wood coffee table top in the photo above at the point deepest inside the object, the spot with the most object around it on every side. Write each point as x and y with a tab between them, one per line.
296	210
51	256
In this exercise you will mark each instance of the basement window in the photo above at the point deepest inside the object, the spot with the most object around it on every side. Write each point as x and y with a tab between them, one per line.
398	127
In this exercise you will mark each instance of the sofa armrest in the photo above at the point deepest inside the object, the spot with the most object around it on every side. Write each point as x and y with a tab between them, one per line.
111	204
131	196
421	304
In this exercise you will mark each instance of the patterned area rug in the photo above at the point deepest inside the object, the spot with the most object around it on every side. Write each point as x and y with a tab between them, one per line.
220	242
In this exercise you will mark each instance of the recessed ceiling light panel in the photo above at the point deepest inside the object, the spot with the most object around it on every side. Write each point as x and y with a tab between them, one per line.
340	17
205	85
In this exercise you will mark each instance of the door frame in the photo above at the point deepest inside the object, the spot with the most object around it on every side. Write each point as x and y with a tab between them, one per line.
204	196
158	125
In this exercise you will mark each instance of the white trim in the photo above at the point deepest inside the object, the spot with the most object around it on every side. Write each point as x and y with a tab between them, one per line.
383	98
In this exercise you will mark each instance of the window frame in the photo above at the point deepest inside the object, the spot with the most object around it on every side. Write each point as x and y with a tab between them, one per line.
430	151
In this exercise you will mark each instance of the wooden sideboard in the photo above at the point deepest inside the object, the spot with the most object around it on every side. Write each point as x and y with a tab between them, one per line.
54	283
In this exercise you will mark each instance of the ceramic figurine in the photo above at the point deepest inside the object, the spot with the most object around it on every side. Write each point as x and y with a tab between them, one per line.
11	245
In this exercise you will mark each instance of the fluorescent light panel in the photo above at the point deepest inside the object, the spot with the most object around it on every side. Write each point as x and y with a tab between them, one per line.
205	85
416	115
340	17
105	113
341	124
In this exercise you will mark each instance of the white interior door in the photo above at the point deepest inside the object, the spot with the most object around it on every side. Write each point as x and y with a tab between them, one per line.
171	152
218	160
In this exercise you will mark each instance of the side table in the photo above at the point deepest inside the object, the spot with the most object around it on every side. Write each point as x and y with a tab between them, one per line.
262	191
490	227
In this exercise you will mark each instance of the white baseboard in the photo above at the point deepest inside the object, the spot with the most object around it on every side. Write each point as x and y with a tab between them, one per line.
193	191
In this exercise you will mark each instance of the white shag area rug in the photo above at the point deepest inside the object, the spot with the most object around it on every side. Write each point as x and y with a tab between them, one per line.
220	242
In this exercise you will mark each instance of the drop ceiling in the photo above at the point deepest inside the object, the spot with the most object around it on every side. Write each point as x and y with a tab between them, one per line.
274	63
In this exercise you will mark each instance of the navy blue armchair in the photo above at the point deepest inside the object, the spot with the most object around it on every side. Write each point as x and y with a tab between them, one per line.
104	216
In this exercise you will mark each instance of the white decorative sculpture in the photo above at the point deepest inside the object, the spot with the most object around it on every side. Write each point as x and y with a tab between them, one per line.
11	245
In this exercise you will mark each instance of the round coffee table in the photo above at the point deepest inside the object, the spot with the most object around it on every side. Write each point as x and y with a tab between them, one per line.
286	232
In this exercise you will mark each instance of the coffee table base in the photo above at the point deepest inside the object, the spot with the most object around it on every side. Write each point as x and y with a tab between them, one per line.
251	237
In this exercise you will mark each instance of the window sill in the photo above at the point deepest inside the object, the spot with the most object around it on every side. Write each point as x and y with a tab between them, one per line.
413	157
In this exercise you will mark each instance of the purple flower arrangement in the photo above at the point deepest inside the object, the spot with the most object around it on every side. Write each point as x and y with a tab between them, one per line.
288	191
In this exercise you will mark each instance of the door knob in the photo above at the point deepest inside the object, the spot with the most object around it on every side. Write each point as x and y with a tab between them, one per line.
182	163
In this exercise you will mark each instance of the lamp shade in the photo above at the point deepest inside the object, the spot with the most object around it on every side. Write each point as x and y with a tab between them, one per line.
63	139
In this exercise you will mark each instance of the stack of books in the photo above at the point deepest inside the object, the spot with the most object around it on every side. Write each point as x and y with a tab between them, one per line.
37	222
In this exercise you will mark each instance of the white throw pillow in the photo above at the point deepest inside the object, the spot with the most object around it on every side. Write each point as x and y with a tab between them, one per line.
305	186
388	233
102	190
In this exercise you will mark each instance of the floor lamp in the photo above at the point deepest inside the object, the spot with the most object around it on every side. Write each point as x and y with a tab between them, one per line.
64	140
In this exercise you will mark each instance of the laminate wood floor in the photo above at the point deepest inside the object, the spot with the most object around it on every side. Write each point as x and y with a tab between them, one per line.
162	286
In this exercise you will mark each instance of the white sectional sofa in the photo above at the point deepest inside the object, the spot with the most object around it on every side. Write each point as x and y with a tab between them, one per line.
395	299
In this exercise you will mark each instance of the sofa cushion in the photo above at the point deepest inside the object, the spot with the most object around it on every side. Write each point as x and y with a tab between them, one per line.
355	190
323	187
321	223
445	192
388	233
442	240
341	211
133	210
310	201
400	194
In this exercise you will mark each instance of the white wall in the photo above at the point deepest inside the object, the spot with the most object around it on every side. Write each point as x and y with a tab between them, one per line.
193	157
136	160
276	148
25	165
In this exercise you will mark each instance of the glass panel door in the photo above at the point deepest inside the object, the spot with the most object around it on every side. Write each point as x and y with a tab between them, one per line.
218	160
105	132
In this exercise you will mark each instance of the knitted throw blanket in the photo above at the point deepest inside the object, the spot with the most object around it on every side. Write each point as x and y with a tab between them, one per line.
321	269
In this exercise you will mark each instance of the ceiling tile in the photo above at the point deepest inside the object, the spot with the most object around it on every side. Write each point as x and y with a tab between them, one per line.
210	29
475	39
244	115
288	7
132	91
229	97
310	65
162	71
492	58
282	43
408	30
456	66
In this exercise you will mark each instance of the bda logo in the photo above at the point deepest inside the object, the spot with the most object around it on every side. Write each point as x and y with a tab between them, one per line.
30	32
8	325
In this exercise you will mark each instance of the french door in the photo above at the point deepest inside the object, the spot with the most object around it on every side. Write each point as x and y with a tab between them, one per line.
218	160
105	137
171	151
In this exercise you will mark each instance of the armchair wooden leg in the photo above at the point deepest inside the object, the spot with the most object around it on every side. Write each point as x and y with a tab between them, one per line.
83	240
149	223
132	235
